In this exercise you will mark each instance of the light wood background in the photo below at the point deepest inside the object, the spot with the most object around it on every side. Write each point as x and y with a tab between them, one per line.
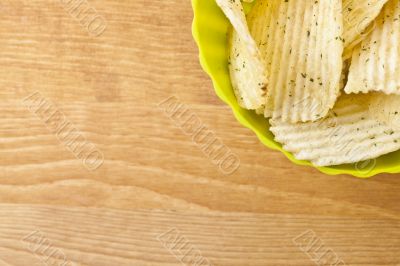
154	177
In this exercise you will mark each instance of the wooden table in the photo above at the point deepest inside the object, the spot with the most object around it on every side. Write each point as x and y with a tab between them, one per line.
156	198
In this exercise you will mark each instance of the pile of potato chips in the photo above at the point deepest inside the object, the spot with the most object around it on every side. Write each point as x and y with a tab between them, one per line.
326	73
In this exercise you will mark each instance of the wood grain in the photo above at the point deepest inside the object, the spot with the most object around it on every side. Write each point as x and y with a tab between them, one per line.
154	177
111	237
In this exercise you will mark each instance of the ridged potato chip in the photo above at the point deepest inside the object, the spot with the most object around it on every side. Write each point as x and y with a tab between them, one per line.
349	134
248	73
386	108
375	64
289	60
358	17
301	44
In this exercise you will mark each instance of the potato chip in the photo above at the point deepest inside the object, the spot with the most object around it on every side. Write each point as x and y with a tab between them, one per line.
301	45
358	17
349	134
376	63
233	10
386	108
248	73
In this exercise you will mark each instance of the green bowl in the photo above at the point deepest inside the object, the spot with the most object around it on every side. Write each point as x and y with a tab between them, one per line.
210	28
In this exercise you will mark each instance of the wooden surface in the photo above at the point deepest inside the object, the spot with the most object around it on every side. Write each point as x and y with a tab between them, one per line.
154	178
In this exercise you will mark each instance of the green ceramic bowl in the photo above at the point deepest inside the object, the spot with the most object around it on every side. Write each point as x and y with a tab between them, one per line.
210	33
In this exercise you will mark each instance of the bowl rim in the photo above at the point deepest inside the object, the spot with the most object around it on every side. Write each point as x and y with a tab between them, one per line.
196	28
